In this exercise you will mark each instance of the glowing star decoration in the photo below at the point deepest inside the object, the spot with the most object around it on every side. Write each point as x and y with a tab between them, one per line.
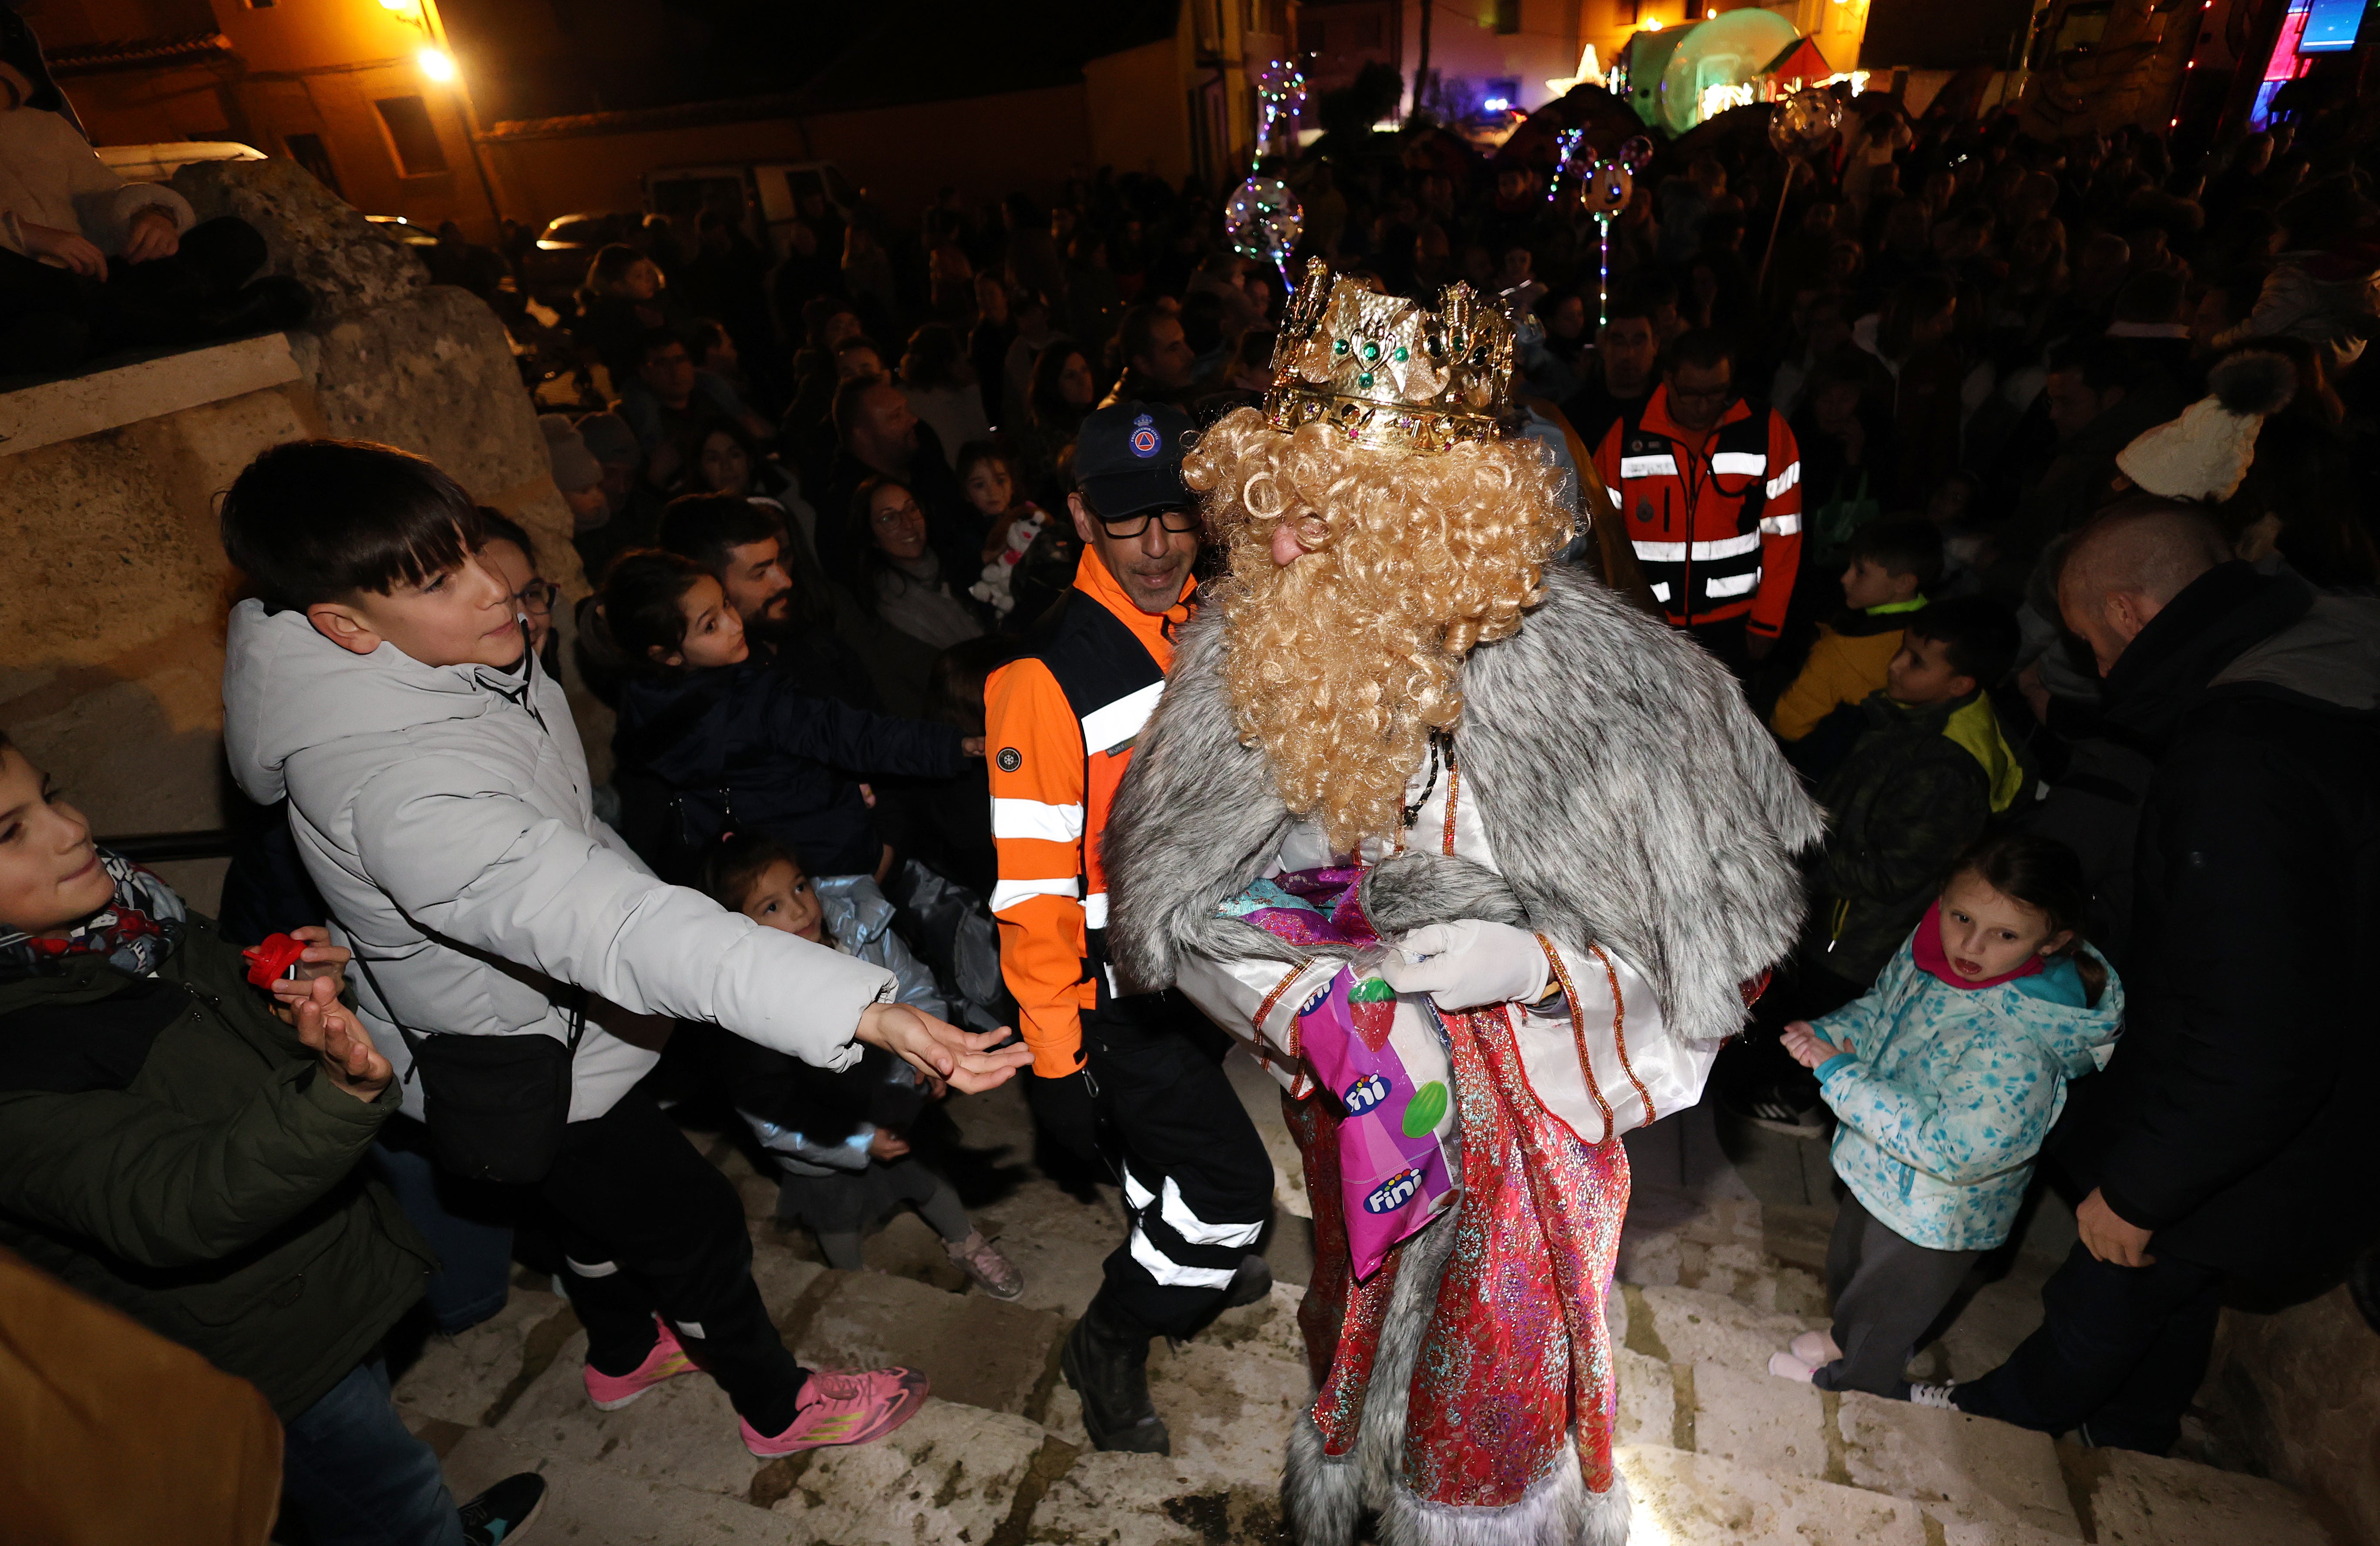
1263	219
1281	93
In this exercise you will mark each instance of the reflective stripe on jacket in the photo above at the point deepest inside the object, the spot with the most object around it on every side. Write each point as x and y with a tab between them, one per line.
1059	727
1717	530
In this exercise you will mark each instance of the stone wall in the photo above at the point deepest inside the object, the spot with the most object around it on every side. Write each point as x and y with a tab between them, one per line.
2300	1391
112	619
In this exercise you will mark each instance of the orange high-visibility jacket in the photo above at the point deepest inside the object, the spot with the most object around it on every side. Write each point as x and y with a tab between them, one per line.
1718	529
1059	727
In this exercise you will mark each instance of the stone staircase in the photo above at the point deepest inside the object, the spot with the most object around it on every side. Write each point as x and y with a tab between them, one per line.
1721	1264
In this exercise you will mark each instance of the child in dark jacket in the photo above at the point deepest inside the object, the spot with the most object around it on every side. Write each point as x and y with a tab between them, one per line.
1929	771
735	745
839	1137
1888	567
1931	767
170	1147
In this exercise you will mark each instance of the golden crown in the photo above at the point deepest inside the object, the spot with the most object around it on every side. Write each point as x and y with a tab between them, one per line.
1388	373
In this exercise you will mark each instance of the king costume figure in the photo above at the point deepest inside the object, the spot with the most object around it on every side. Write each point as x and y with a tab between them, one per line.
1483	865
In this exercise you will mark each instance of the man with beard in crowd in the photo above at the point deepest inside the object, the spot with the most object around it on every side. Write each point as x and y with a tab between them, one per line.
792	616
1397	738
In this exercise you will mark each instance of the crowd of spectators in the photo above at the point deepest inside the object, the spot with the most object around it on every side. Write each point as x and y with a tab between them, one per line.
2057	531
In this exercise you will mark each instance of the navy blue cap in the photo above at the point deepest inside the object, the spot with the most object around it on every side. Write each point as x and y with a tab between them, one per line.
1128	459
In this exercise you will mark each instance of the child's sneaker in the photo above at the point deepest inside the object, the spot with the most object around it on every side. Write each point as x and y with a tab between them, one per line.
840	1407
1931	1396
981	1261
1785	1366
666	1361
1816	1348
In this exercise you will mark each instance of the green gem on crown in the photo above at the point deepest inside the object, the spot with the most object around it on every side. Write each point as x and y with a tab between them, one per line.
1402	353
1339	346
1371	350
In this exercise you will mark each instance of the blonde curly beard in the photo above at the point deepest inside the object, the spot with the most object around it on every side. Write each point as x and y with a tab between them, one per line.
1340	664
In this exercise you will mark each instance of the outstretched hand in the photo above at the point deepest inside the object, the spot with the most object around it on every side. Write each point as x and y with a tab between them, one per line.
1804	1043
347	1056
940	1050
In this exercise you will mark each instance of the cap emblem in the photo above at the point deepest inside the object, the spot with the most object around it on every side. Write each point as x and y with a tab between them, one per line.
1145	439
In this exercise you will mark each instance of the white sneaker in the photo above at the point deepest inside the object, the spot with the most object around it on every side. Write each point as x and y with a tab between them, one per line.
1785	1366
1931	1396
1816	1348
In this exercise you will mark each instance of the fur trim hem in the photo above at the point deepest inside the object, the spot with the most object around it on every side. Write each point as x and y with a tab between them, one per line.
1321	1496
1558	1510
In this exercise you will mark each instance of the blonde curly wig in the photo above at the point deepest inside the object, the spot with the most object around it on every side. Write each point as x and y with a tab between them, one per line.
1340	664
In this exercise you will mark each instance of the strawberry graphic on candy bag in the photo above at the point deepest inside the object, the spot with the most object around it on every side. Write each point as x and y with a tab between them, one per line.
1372	1005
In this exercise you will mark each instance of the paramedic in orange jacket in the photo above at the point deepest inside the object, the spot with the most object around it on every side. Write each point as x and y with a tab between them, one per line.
1710	488
1059	727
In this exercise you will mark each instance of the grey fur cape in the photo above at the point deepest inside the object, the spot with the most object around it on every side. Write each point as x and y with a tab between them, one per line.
1628	796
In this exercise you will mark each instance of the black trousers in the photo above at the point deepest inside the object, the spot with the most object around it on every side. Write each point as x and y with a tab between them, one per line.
650	1228
1197	1179
53	318
1887	1290
2119	1349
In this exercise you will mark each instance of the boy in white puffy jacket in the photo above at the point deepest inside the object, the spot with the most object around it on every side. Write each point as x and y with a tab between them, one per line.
1944	1078
438	795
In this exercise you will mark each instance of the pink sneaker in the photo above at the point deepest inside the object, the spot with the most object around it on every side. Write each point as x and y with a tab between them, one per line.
1785	1366
1816	1348
666	1361
843	1408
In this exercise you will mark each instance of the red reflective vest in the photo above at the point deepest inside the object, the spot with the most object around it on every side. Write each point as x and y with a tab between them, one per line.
1718	529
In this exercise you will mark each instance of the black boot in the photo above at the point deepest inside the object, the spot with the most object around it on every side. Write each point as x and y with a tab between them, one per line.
1106	1360
1251	1282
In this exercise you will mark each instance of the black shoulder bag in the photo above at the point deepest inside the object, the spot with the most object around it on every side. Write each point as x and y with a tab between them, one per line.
495	1105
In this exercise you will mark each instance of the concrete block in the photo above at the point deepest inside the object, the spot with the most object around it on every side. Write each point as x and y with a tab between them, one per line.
948	1477
783	1268
1227	1410
396	373
458	1378
1960	1467
1149	1500
1699	1500
1684	1326
49	412
1968	1532
1778	1426
2141	1500
1648	1399
974	1349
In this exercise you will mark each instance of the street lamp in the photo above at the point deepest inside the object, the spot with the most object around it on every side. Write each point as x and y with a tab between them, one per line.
437	65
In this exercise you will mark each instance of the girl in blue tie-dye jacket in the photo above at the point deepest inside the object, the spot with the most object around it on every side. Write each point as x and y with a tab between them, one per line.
1944	1078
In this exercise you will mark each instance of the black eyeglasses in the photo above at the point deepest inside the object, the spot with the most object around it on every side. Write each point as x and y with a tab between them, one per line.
538	596
1124	526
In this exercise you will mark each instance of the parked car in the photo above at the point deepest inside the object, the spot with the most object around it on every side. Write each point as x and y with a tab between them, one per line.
558	260
398	228
767	196
157	163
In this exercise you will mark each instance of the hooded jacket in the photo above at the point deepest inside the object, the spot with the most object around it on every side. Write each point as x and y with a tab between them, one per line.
170	1148
1919	786
442	812
1949	1091
747	749
2235	1120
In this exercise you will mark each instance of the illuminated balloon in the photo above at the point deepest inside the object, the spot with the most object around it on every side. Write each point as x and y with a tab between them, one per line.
1608	185
1635	152
1263	219
1280	94
1804	122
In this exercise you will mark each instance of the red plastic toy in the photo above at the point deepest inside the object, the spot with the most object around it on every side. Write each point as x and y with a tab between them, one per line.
274	959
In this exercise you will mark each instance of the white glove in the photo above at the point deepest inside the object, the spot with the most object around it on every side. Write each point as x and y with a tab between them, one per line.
1469	963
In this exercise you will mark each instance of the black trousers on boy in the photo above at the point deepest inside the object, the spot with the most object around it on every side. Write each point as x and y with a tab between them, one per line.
650	1228
2120	1350
1197	1179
